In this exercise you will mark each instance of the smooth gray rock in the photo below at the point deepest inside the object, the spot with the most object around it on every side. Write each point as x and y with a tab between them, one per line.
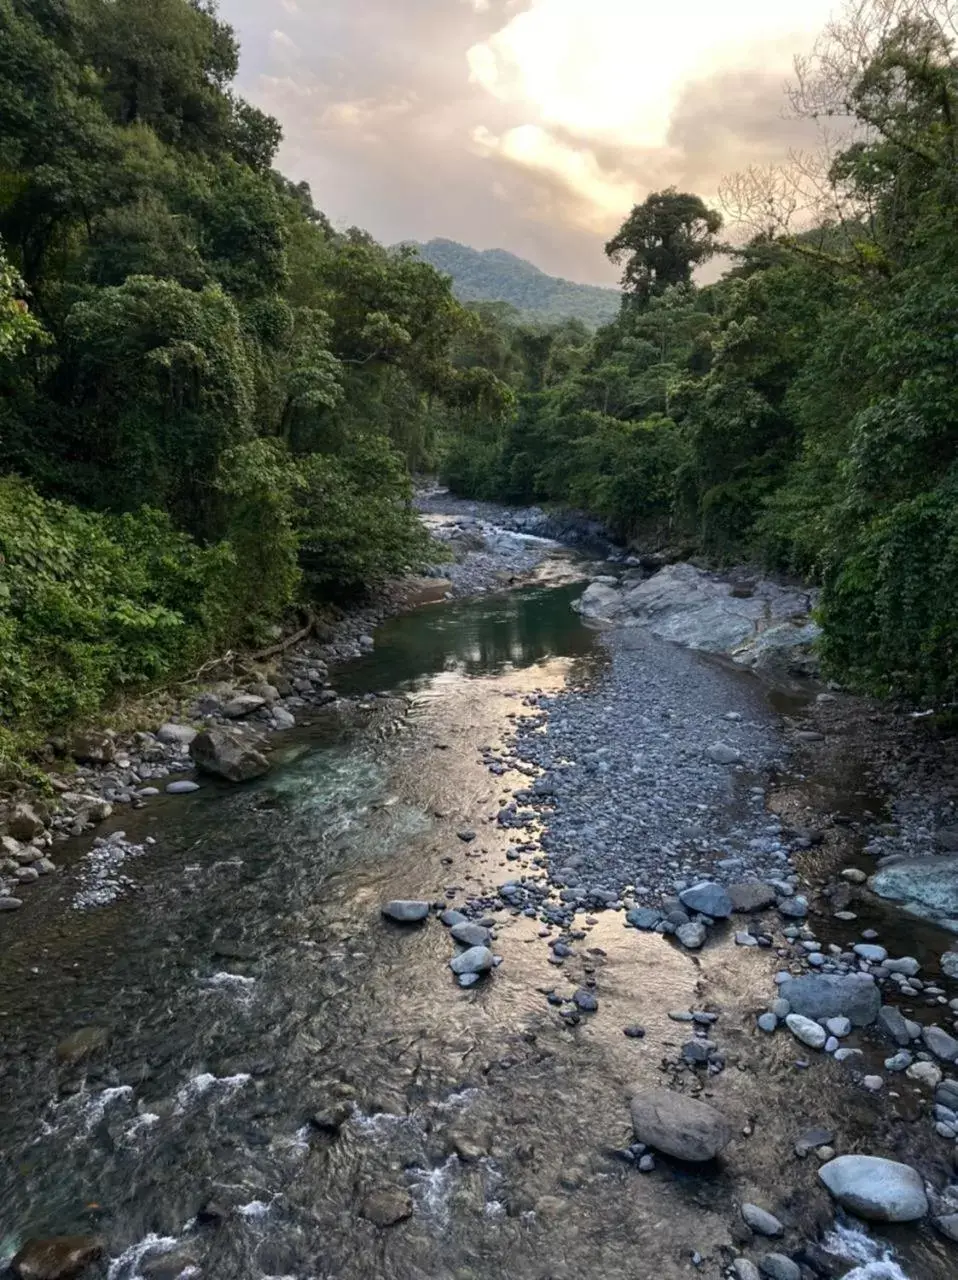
225	755
840	1027
794	908
761	1221
751	897
471	935
679	1126
877	1189
893	1024
926	887
692	935
949	964
600	602
10	904
767	1022
940	1043
824	995
183	788
722	753
745	1270
475	960
868	951
708	898
777	1266
450	917
176	734
643	918
807	1031
283	719
243	705
405	910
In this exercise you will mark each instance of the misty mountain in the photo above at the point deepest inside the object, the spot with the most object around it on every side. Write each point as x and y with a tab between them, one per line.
494	275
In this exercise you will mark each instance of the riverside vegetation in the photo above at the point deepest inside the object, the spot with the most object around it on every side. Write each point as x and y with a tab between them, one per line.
211	401
802	411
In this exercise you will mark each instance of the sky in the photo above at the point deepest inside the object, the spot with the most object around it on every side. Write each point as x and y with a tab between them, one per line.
528	125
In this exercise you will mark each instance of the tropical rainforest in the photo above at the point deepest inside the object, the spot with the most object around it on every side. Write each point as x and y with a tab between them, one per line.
802	412
211	402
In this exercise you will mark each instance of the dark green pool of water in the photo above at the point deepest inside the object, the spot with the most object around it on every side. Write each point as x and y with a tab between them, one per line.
476	637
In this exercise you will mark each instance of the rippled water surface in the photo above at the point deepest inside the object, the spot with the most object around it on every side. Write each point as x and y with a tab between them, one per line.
252	995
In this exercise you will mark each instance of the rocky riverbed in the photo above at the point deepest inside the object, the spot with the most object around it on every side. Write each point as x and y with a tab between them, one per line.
554	966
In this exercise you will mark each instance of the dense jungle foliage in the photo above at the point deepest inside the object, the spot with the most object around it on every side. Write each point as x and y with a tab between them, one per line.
209	401
803	411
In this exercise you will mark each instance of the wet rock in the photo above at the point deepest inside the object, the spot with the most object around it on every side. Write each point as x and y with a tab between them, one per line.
330	1119
761	1221
475	960
926	887
940	1043
387	1207
823	995
92	748
10	904
82	1044
751	897
692	935
778	1266
24	823
180	735
907	965
854	875
679	1126
182	788
405	910
877	1189
807	1031
59	1258
225	755
471	935
893	1024
708	898
283	719
585	1000
181	1261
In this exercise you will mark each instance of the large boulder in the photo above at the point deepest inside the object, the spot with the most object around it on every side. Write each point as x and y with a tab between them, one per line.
751	896
601	602
926	887
679	1126
59	1258
783	652
227	755
24	822
877	1189
822	995
708	898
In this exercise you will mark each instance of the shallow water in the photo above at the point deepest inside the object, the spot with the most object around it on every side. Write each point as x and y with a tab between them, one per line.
249	984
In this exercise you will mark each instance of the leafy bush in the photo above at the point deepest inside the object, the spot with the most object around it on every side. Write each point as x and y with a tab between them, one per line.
93	604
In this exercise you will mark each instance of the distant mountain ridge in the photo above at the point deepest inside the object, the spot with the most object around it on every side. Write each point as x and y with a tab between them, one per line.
495	275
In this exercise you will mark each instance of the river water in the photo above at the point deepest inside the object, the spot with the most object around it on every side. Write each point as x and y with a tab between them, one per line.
246	985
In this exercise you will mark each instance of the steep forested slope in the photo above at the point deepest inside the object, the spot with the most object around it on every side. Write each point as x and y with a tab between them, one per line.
494	275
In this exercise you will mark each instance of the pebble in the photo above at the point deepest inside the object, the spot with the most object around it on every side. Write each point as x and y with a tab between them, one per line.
767	1022
183	788
776	1266
873	1083
761	1221
807	1031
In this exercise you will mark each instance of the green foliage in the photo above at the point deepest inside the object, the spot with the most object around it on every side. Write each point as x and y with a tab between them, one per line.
355	521
92	604
493	275
662	241
215	421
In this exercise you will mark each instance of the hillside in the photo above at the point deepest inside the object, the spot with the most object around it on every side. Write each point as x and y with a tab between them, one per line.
494	275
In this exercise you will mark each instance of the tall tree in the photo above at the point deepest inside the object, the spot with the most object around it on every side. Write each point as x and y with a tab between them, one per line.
662	241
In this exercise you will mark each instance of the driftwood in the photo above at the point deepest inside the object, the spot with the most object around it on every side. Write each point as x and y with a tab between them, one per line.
284	644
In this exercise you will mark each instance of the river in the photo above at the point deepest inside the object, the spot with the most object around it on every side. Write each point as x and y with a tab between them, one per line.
276	1052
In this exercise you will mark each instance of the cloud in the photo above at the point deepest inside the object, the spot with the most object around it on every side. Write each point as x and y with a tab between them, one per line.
531	125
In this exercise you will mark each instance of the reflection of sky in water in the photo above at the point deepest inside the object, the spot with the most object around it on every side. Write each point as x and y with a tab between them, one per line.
471	638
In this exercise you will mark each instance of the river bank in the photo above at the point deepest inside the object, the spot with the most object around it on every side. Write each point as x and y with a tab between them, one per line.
272	1080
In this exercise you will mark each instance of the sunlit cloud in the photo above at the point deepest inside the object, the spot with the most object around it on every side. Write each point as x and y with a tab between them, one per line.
531	125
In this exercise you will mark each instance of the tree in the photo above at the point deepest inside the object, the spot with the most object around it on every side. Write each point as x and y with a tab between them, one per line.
662	241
